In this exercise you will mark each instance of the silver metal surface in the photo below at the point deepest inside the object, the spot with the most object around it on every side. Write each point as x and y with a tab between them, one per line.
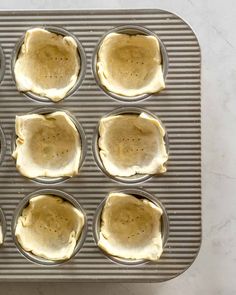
140	194
130	30
48	110
81	53
178	106
134	179
18	212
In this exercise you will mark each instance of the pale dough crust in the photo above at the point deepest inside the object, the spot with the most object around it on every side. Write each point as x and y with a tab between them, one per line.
49	227
47	145
132	144
130	65
131	228
48	64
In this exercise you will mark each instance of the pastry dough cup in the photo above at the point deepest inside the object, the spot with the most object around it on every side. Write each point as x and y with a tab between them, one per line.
2	145
140	194
137	178
3	226
82	71
129	30
48	110
2	64
18	212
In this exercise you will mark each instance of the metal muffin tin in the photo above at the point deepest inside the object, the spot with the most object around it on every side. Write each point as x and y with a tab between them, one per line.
178	107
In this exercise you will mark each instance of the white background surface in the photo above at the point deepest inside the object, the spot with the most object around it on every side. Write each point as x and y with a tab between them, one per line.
214	270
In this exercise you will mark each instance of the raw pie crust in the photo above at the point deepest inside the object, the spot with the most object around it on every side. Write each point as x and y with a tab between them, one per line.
130	65
47	145
49	227
131	228
131	144
48	64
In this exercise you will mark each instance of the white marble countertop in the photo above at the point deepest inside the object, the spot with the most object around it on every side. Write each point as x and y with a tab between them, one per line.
213	271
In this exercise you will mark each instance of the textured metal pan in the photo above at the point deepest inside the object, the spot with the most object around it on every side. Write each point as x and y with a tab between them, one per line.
178	106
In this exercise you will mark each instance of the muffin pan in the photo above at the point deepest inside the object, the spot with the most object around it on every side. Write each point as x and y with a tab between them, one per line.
177	106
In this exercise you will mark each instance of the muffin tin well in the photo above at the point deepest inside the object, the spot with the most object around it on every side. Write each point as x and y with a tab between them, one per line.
177	106
140	194
137	178
48	110
24	203
81	53
129	30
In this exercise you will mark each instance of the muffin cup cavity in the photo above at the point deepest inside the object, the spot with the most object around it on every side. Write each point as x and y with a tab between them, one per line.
137	178
24	203
140	194
129	30
82	71
56	180
2	64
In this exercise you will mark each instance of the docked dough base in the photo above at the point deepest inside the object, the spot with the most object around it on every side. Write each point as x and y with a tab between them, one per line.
131	228
130	65
132	144
47	145
48	64
49	227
